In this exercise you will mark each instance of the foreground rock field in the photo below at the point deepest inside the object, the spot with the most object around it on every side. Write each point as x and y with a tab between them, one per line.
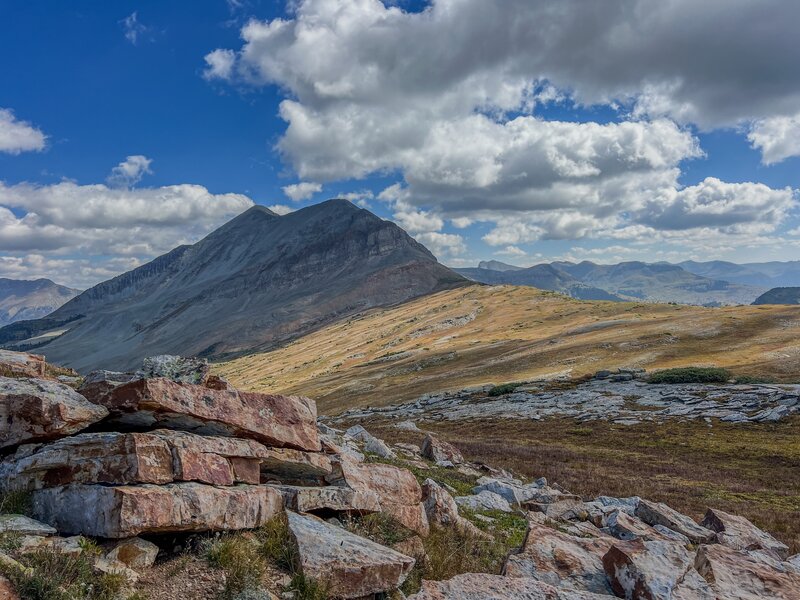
130	471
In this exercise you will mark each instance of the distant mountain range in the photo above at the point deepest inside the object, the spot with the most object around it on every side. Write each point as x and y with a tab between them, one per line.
23	299
656	282
257	281
766	275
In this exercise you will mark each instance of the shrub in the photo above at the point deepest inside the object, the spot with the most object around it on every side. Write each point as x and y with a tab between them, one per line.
15	503
378	527
505	388
241	560
691	375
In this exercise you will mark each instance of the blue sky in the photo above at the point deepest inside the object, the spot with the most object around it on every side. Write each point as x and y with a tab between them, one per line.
507	131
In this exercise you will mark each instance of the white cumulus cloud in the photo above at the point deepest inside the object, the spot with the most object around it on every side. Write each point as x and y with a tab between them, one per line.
301	191
130	171
19	136
778	138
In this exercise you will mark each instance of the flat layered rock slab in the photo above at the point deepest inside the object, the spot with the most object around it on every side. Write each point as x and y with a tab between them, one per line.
562	560
350	566
482	586
37	410
282	421
128	458
22	525
658	513
328	499
739	533
128	511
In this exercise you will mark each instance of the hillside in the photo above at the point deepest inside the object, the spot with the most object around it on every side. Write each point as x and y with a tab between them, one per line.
781	295
477	335
255	282
767	274
31	299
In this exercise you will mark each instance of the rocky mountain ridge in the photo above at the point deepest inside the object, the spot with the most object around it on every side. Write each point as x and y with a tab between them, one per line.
256	282
172	448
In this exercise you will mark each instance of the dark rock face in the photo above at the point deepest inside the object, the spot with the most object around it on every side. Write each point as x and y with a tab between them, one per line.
781	295
255	282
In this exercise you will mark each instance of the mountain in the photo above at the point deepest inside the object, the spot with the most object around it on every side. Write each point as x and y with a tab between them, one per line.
544	277
254	283
658	282
780	295
21	299
766	275
496	265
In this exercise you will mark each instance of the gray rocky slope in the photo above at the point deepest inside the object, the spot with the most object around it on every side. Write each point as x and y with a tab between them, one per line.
257	281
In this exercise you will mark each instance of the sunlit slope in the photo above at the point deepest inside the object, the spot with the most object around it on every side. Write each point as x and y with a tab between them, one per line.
477	335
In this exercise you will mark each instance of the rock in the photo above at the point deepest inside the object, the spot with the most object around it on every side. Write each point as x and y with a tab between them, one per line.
35	410
7	591
745	575
161	456
114	567
282	421
667	534
69	545
22	525
414	547
442	510
327	499
407	426
656	570
625	527
658	513
350	566
99	384
134	553
378	447
566	510
287	464
739	533
482	586
128	511
22	364
561	560
176	368
626	505
397	489
511	492
440	451
484	500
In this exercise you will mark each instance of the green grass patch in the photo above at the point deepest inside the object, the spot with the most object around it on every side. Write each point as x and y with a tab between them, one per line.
378	527
241	560
691	375
505	388
15	503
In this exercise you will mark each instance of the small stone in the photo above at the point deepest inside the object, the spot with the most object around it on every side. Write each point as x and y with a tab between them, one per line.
484	500
135	553
440	451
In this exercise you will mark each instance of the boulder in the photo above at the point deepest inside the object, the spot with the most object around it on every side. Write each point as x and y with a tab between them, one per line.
328	499
625	527
485	500
372	444
35	410
561	560
287	464
656	570
22	364
739	533
745	575
397	489
482	586
442	511
161	456
134	553
104	565
176	368
658	513
511	491
99	384
348	565
282	421
440	451
22	525
127	511
73	545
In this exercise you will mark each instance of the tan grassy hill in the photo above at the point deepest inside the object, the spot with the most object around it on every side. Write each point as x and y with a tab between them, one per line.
477	335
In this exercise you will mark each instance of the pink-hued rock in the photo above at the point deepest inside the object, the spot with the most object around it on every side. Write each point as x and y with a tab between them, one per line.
440	451
740	534
656	570
561	560
398	490
482	586
745	575
157	457
658	513
348	565
22	364
127	511
36	410
283	421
